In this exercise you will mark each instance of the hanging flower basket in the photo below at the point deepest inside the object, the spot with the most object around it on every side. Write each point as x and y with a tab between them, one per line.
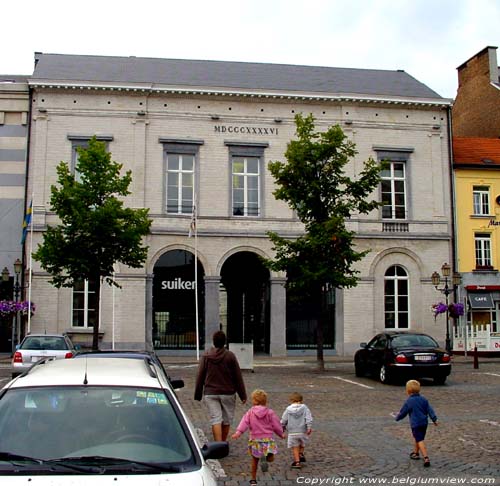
454	310
9	308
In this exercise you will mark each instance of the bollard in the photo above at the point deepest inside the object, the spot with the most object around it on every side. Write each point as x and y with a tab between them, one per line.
476	362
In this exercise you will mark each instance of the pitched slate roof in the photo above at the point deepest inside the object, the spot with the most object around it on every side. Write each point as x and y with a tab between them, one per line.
119	71
477	152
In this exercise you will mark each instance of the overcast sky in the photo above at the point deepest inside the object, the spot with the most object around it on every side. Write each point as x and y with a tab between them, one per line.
429	39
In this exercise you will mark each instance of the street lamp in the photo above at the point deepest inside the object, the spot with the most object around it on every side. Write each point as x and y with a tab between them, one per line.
18	267
455	280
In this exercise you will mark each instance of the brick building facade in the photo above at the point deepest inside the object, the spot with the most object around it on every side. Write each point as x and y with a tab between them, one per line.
205	131
476	110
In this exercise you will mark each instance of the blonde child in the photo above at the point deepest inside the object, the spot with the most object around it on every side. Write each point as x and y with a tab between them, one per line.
262	423
418	408
297	421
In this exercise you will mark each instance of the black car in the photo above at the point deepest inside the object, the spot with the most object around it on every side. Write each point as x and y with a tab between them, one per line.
394	355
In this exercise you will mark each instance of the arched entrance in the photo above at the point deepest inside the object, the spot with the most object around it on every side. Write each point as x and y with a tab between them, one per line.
174	309
244	300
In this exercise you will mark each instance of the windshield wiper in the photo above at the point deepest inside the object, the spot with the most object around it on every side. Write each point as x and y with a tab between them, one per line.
104	461
9	456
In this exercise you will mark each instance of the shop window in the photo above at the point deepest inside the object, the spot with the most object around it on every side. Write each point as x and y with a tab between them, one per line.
84	304
482	244
481	200
396	298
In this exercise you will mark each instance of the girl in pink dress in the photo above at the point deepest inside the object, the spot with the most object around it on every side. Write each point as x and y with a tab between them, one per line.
262	423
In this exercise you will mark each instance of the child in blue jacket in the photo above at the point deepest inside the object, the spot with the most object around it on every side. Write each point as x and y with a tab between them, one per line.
418	408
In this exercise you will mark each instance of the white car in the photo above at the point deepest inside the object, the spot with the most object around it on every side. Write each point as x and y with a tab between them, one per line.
35	347
99	421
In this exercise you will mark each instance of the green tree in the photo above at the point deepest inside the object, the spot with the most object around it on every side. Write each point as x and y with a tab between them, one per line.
314	184
95	229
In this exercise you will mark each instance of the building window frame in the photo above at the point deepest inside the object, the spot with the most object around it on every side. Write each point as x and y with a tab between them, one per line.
183	150
83	141
396	298
394	185
81	315
481	200
246	153
482	251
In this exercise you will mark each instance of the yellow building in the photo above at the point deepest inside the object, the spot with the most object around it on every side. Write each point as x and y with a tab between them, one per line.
476	163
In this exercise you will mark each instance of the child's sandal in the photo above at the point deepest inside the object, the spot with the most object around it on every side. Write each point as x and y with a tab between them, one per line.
302	458
296	465
415	456
253	481
427	462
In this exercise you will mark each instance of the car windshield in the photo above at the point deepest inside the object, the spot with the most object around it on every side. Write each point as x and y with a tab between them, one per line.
52	343
134	424
413	341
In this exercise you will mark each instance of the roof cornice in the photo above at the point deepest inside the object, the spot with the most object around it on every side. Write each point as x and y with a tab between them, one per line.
275	95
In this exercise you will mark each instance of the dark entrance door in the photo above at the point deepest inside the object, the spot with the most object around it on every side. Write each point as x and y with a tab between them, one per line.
174	305
246	282
6	322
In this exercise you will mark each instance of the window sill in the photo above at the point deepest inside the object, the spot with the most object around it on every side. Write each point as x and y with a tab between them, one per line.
482	216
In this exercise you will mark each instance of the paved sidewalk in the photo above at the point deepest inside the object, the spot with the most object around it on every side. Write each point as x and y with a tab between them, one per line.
355	438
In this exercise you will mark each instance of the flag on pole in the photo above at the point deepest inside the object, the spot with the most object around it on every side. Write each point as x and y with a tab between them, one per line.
26	222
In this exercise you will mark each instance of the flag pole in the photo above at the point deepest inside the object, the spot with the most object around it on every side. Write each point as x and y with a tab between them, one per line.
194	230
30	275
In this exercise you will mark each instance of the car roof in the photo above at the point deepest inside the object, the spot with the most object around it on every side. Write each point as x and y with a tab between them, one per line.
95	371
38	335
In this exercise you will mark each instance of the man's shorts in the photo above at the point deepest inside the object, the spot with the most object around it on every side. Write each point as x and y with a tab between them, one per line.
297	440
220	408
419	433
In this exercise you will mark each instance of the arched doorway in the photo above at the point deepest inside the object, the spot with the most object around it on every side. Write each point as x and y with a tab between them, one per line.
245	300
174	305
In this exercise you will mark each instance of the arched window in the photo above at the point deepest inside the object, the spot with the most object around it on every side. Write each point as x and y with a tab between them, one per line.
396	298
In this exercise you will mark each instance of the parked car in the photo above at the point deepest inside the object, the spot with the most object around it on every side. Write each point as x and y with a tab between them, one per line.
396	355
35	347
144	355
103	421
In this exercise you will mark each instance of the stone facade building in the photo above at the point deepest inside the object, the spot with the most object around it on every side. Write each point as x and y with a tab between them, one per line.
14	107
202	133
476	110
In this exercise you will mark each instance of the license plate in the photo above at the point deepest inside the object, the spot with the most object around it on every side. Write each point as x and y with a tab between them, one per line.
424	357
34	359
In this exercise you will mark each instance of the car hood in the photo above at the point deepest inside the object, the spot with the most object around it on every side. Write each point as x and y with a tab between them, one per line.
201	477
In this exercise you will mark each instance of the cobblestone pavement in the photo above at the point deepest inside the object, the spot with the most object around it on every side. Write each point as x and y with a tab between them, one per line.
355	439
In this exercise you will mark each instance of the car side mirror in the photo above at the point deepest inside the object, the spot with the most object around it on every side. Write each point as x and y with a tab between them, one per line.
215	450
177	384
363	345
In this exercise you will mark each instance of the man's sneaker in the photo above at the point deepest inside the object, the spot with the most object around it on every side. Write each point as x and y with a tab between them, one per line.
264	466
296	465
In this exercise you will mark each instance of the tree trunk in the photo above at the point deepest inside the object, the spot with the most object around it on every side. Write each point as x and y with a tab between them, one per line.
319	331
95	336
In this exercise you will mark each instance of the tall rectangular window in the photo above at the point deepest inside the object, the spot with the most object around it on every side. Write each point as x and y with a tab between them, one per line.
482	244
82	141
181	174
481	200
246	162
180	183
394	190
84	304
246	186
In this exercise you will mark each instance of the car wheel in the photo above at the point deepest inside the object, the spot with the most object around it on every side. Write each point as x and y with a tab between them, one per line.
440	380
384	374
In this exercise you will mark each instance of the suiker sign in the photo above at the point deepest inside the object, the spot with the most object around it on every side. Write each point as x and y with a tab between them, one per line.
246	130
178	284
